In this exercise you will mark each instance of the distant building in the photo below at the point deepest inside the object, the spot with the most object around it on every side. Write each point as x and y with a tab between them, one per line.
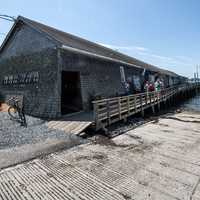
58	73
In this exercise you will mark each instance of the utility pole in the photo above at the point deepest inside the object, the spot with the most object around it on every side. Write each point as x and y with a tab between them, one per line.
197	73
198	70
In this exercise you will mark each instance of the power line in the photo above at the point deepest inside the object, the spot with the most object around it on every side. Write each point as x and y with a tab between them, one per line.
8	18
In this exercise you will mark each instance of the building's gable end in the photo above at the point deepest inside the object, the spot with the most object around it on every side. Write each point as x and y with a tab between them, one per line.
24	39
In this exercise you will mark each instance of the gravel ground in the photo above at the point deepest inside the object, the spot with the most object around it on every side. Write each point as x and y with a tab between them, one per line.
13	135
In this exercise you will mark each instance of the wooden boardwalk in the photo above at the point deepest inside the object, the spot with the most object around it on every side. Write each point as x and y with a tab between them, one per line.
109	111
74	124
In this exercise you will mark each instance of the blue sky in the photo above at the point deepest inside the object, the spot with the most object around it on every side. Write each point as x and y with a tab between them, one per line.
165	33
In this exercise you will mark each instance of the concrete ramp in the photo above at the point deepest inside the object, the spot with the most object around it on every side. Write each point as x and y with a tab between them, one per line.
74	124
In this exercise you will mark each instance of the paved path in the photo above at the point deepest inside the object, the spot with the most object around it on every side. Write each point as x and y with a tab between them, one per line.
157	161
19	144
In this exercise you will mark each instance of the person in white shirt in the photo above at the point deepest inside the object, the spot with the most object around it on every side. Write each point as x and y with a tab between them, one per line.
157	85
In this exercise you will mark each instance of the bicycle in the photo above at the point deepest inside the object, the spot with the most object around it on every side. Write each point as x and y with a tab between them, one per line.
16	112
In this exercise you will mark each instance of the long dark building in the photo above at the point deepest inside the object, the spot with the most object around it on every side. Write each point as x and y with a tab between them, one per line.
59	73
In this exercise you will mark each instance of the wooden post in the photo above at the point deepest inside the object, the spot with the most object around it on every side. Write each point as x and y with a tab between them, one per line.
146	98
108	111
135	103
95	113
128	105
165	102
153	104
119	108
170	101
141	105
150	96
158	97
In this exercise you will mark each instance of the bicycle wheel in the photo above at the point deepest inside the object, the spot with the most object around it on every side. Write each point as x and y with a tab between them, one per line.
13	113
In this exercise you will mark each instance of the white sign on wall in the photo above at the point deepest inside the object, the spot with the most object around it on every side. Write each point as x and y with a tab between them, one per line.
122	73
151	78
137	82
21	78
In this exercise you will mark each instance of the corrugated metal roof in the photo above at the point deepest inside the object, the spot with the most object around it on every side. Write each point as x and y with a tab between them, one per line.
82	44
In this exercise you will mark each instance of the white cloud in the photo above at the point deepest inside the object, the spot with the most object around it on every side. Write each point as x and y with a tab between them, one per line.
180	64
185	58
122	48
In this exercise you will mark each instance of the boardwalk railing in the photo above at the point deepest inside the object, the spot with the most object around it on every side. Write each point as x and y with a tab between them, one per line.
111	110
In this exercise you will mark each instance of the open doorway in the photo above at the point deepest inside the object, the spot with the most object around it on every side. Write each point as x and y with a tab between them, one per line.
71	100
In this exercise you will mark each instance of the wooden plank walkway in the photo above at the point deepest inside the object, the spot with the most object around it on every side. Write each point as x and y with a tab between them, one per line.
74	124
111	110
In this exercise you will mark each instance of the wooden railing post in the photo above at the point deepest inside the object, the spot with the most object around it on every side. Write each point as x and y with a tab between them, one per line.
146	98
141	105
108	111
119	108
150	95
135	103
153	103
95	113
158	99
128	105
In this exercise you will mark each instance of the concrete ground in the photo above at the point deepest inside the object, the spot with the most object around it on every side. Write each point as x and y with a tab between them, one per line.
158	161
19	144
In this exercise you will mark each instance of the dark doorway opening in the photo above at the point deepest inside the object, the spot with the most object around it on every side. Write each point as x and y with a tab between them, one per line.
71	100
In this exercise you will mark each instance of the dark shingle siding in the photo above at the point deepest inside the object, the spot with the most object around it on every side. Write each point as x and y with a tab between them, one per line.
82	44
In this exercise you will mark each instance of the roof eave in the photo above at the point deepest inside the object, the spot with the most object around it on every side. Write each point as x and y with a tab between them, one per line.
98	56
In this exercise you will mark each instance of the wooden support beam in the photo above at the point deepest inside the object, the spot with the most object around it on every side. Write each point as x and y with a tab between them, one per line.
152	102
141	106
158	100
108	112
96	113
135	103
128	105
119	108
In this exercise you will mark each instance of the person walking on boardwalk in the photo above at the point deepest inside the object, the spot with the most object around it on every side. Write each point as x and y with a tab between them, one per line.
161	85
146	87
127	88
157	85
151	87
